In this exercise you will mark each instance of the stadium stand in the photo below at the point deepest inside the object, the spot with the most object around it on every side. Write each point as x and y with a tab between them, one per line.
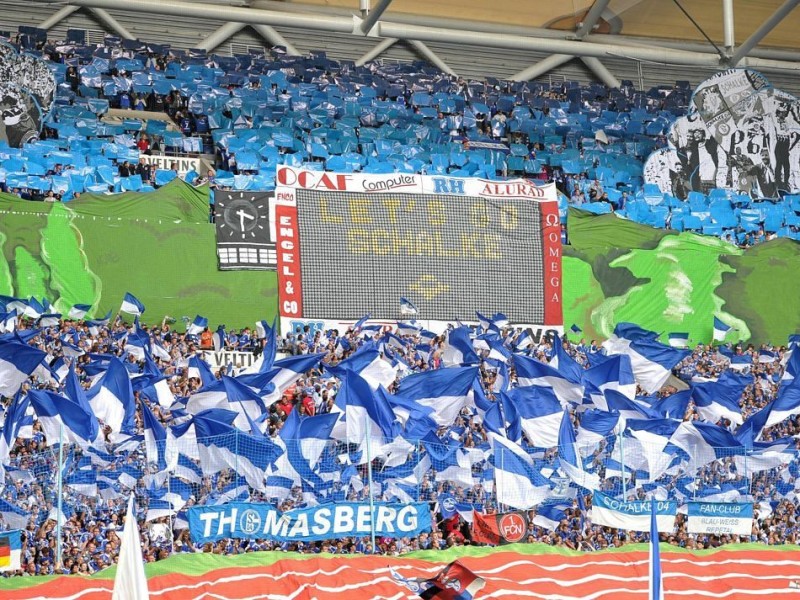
255	112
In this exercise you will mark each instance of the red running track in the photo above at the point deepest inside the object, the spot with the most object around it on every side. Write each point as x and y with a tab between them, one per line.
725	575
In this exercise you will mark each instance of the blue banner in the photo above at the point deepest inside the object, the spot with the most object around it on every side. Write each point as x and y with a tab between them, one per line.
720	518
324	522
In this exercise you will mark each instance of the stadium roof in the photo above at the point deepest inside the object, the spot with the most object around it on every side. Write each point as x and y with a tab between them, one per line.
612	39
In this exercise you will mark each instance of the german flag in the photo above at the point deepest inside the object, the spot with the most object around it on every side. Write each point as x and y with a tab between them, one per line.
5	551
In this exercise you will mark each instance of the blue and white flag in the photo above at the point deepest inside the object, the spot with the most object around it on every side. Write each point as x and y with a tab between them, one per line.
17	362
13	515
570	462
155	438
79	311
539	412
96	324
533	372
500	321
624	334
720	330
575	329
219	339
197	326
517	482
446	391
49	320
674	406
714	401
595	426
65	420
614	373
14	421
131	305
222	446
564	363
458	348
286	371
369	416
82	481
407	307
408	328
792	369
550	516
304	438
703	443
786	405
368	363
199	369
111	398
679	340
243	400
523	341
652	362
656	586
8	321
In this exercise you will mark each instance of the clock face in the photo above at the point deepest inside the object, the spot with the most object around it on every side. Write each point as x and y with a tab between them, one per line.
243	215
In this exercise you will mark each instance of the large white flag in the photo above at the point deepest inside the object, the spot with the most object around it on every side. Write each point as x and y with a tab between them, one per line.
130	582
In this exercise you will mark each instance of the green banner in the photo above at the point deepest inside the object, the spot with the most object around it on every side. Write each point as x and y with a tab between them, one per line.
159	246
616	270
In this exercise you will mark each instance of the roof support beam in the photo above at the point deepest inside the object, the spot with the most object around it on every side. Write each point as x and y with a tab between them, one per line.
223	33
542	67
58	16
431	57
727	25
275	38
110	22
600	71
760	33
373	16
379	49
324	21
591	18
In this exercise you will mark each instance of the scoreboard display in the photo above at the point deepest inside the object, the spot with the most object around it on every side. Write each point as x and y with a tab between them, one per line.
354	244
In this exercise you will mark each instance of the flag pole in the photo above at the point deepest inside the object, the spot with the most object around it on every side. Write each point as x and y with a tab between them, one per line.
369	487
622	464
59	549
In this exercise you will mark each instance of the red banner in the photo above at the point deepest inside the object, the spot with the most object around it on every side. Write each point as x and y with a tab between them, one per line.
506	528
287	237
551	248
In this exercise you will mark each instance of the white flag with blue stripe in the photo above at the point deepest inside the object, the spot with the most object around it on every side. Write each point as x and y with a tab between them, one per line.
720	330
17	362
111	398
63	419
131	305
446	391
197	326
79	311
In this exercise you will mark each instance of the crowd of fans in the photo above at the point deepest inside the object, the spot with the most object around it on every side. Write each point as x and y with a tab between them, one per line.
92	523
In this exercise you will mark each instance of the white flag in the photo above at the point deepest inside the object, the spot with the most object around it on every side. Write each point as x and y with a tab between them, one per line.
130	582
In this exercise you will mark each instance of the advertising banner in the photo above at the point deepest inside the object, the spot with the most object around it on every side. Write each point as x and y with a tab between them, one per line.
323	522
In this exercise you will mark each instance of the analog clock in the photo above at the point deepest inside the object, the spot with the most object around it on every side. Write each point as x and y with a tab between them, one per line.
243	214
